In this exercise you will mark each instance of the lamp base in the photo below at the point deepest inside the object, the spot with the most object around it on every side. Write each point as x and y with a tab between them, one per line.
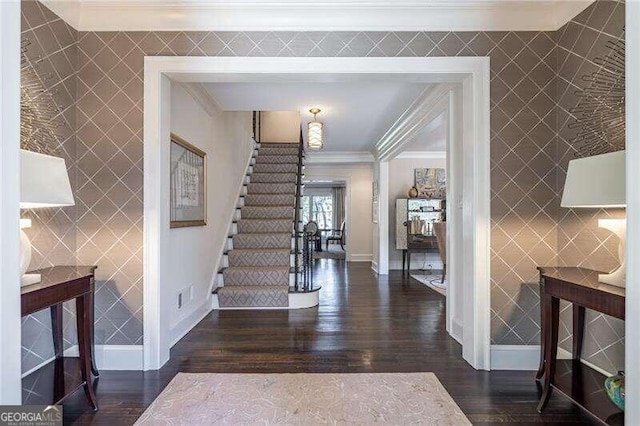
618	277
28	279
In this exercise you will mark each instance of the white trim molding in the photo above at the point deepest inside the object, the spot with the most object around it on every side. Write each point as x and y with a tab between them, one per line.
437	155
359	257
431	103
10	356
293	15
515	357
338	157
108	357
632	322
202	97
471	74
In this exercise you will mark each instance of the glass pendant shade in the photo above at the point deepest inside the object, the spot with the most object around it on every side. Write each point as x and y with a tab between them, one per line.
314	135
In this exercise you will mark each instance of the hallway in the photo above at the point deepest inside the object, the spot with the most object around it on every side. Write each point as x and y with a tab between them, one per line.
364	324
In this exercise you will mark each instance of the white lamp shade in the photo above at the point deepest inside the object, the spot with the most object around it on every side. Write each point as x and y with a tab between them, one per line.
596	182
44	181
314	135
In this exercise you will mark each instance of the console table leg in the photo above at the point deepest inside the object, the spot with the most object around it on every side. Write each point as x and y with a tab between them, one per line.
578	330
56	328
552	319
92	344
84	338
543	333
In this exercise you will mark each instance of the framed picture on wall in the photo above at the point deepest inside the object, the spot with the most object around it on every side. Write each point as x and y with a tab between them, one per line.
188	184
431	183
374	213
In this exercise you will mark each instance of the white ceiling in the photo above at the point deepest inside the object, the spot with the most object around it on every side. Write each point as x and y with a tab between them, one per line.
317	15
355	114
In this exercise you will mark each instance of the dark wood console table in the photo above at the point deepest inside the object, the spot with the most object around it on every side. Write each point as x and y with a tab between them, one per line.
581	287
425	244
60	284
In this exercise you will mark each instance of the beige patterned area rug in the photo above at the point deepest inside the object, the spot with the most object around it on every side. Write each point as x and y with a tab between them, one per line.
304	399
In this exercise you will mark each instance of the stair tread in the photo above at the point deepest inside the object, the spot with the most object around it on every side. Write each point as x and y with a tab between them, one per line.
258	268
290	269
265	250
257	287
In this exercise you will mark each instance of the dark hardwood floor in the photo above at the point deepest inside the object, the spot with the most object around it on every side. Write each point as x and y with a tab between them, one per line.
363	324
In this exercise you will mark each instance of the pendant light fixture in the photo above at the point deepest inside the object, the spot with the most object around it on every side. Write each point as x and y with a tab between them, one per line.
314	131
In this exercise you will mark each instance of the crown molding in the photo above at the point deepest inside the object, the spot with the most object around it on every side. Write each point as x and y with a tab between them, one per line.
432	102
297	15
333	157
422	155
202	97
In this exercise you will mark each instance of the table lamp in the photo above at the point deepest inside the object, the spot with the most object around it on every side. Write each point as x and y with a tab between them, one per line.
44	183
599	182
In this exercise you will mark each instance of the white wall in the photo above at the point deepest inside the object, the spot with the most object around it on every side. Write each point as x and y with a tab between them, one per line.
401	179
194	253
10	362
280	126
358	204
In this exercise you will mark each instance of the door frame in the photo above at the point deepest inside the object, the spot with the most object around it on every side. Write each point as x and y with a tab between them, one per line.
471	72
10	350
632	337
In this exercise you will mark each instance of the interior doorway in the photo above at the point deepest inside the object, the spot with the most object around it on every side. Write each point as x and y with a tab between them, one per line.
325	203
472	76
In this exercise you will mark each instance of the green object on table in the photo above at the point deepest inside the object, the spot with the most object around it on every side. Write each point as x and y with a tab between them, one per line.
614	386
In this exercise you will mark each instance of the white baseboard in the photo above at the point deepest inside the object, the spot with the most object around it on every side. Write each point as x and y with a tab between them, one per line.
359	258
565	354
119	357
374	266
187	323
456	330
515	357
108	357
415	265
527	357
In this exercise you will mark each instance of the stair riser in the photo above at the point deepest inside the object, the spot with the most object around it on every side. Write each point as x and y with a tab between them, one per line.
221	283
277	159
257	226
271	188
258	241
278	151
257	297
230	245
257	212
269	199
287	260
275	168
274	178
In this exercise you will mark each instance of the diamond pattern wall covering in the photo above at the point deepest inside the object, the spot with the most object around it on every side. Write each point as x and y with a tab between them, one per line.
523	136
525	87
52	45
580	241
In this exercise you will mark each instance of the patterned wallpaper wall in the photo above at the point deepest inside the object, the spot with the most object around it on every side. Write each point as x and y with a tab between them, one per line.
522	91
52	47
580	241
524	193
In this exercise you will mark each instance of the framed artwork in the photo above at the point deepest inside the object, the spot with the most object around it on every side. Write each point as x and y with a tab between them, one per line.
431	183
188	184
374	190
374	213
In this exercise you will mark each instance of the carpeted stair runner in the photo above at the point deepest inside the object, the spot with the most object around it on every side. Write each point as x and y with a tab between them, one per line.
259	264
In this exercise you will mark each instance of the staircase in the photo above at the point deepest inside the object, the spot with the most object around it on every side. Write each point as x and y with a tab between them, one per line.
259	269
